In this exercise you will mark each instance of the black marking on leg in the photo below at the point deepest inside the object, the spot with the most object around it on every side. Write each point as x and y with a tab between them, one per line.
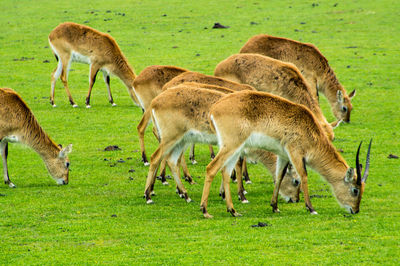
71	102
222	194
304	166
189	179
242	196
87	101
233	176
246	175
144	157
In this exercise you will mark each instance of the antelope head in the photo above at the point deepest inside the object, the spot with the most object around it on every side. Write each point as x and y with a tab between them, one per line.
58	167
290	186
352	187
343	106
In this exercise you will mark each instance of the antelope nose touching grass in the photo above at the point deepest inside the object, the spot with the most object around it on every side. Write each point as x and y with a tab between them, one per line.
71	42
292	132
18	124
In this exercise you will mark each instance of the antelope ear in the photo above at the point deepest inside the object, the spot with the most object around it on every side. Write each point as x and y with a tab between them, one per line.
352	94
339	95
349	175
65	151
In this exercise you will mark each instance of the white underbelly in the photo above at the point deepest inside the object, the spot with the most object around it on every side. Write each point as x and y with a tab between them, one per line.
77	57
195	136
259	140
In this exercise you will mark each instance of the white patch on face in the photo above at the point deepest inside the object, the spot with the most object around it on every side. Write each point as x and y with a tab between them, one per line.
60	181
348	208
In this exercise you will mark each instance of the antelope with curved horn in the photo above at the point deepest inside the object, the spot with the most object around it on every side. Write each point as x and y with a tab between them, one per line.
274	76
18	124
312	64
184	121
71	42
289	130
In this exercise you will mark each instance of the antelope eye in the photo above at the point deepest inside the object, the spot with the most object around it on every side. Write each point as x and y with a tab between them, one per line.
355	191
295	182
67	164
344	109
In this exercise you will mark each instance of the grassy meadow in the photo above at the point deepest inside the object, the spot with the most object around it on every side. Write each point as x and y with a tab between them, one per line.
101	217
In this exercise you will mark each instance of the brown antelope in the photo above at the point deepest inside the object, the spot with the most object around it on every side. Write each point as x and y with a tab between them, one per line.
73	42
18	124
149	83
274	76
183	121
188	76
312	64
289	130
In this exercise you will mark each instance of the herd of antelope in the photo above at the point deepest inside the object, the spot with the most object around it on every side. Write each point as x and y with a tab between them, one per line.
260	105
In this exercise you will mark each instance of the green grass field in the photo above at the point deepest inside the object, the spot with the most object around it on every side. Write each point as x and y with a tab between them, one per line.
101	217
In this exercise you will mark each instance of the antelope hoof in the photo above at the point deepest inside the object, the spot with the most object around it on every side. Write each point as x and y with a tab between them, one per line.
234	213
87	106
249	182
194	162
244	192
146	163
245	201
207	215
11	185
54	106
74	105
152	193
149	201
275	210
188	200
165	183
314	213
113	104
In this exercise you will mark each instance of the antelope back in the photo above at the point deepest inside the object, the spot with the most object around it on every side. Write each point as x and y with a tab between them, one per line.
206	79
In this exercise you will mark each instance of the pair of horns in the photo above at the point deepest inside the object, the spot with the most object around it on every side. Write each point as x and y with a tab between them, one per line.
358	166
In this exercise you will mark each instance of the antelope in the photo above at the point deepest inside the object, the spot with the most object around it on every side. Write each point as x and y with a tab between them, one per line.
188	76
149	83
289	130
274	76
181	122
312	64
71	42
18	124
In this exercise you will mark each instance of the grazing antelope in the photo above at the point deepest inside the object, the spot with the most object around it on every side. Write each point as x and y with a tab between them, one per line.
289	130
188	76
274	76
184	121
149	83
73	42
312	64
18	124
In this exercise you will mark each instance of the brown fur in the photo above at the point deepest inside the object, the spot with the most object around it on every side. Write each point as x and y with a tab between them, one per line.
101	48
312	64
298	138
274	76
150	76
148	84
206	79
17	120
175	119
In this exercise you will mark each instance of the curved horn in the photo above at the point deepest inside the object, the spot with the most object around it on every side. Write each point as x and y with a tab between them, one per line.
358	167
366	171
